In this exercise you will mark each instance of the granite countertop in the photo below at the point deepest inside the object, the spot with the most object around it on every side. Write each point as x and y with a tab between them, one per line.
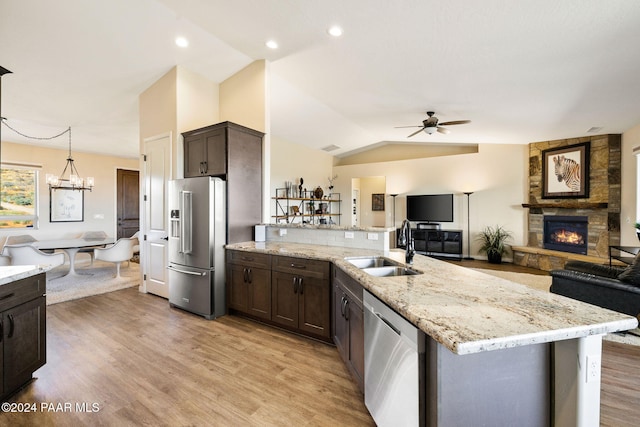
12	273
465	310
332	227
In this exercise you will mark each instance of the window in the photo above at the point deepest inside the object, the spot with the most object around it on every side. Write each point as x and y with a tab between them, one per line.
18	201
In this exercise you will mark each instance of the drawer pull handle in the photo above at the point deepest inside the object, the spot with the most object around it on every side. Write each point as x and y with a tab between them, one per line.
295	285
300	286
247	258
11	326
298	266
7	296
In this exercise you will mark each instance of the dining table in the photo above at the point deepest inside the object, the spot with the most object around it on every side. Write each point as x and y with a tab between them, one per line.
71	247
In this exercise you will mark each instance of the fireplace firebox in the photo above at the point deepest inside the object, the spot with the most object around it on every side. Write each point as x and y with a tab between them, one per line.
566	233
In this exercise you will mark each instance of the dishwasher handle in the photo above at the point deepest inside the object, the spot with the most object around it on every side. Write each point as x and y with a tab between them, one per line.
388	323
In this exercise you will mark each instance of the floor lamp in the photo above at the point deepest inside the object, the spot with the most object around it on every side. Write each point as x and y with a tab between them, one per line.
468	193
394	217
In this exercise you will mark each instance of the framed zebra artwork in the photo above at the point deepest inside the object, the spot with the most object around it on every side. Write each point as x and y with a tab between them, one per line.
565	172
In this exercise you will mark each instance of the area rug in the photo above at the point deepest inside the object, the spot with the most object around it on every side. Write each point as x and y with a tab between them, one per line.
542	283
95	279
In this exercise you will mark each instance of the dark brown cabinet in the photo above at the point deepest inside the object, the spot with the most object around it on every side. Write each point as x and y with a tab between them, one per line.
249	283
22	332
301	295
348	323
233	153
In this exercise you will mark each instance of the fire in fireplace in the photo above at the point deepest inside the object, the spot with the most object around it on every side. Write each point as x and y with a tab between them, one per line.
566	233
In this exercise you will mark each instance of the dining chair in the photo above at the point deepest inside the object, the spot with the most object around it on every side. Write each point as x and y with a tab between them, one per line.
136	246
28	255
91	235
119	252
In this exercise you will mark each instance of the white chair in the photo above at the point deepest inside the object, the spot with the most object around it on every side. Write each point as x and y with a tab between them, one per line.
136	247
119	252
28	255
92	235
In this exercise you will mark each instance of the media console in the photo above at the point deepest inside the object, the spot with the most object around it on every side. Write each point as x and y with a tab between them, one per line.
437	243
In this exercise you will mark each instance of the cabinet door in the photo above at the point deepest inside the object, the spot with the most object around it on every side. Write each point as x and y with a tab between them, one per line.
216	153
284	299
237	287
194	155
356	342
340	326
24	341
315	306
259	293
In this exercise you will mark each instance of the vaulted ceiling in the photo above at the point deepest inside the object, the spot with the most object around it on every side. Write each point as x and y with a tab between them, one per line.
521	71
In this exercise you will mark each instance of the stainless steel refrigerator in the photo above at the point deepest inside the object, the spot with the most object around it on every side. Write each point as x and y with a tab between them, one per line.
197	235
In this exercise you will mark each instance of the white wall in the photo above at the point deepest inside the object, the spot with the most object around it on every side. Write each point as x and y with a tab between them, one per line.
99	204
290	162
368	186
497	174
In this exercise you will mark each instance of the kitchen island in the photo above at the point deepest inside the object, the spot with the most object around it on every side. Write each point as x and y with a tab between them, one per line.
492	345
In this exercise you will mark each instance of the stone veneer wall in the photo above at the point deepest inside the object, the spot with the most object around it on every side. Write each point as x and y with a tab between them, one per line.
604	187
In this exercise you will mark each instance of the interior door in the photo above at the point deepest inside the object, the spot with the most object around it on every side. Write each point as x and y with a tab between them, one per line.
154	247
128	206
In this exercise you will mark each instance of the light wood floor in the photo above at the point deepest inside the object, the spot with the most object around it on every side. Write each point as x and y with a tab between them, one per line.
143	363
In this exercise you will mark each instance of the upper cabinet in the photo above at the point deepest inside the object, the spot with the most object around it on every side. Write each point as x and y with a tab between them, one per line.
233	153
205	153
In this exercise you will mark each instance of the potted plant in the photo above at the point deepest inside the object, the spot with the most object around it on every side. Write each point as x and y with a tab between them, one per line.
493	242
637	225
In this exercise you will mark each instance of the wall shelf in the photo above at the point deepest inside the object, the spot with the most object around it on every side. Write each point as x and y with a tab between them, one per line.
285	207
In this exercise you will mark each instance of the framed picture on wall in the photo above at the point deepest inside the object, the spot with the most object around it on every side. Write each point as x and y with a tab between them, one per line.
66	205
377	202
565	172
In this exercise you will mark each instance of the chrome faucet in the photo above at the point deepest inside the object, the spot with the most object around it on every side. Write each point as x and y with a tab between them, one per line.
407	240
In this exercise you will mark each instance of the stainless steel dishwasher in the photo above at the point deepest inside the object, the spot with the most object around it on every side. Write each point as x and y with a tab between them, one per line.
394	366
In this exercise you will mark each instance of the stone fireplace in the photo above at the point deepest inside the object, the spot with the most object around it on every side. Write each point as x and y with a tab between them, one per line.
601	209
566	233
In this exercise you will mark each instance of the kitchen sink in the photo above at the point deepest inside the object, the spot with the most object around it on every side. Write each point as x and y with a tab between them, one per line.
390	271
372	262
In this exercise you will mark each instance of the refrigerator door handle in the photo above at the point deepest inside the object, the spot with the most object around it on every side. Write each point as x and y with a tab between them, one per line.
194	273
186	222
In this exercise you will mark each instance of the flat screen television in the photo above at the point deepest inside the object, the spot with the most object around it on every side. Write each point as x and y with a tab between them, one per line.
430	208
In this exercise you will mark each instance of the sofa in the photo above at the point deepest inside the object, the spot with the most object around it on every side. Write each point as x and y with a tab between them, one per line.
615	288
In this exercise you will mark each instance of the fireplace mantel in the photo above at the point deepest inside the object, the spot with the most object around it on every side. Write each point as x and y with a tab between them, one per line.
567	205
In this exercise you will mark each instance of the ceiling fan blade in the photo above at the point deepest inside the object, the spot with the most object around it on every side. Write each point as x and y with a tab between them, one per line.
443	130
416	132
399	127
456	122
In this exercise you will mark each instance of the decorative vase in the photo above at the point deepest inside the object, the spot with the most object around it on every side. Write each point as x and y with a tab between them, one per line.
494	257
317	193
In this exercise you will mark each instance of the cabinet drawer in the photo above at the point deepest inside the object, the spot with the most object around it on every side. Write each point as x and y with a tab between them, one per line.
249	259
349	285
23	290
306	267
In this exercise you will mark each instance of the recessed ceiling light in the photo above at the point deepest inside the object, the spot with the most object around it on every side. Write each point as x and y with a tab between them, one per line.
272	44
182	41
335	31
594	129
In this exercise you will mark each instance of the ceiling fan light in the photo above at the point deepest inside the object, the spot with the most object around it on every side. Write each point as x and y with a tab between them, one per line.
430	130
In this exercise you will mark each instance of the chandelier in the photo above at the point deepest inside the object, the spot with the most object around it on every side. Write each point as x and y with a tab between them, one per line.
69	179
74	181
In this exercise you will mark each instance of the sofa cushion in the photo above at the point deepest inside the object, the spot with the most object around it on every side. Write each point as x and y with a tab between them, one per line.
611	272
631	274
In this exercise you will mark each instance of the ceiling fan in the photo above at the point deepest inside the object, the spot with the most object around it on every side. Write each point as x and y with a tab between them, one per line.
431	125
